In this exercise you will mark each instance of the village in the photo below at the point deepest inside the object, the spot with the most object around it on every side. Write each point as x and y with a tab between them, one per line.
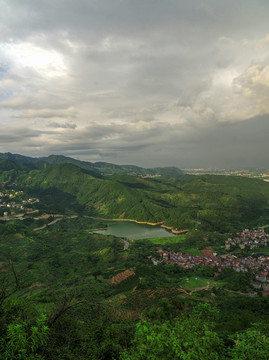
259	265
15	204
249	238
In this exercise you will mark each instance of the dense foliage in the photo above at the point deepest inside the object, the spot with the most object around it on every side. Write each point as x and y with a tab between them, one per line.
67	293
208	202
189	336
64	271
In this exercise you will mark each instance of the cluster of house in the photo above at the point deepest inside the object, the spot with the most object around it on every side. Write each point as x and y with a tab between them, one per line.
250	238
211	259
264	287
259	265
11	202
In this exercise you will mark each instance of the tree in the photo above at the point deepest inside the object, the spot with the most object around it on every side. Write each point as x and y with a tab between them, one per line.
63	305
188	337
250	344
6	287
24	341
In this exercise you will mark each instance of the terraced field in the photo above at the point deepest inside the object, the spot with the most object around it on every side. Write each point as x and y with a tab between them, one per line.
117	279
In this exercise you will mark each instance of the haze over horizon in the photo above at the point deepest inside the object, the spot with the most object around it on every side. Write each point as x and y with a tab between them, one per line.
150	83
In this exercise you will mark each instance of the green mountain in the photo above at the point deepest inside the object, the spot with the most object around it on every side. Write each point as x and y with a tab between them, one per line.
6	164
17	158
67	292
211	202
107	168
98	167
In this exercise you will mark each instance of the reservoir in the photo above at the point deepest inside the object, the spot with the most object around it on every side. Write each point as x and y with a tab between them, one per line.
132	230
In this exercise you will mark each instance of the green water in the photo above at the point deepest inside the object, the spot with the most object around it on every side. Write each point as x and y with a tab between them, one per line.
132	230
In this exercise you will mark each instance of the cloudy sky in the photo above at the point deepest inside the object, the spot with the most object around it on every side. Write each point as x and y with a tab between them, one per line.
145	82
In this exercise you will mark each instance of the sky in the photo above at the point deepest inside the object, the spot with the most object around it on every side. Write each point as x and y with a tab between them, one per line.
143	82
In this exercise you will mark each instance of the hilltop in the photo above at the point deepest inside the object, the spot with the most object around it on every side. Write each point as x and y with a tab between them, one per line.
20	161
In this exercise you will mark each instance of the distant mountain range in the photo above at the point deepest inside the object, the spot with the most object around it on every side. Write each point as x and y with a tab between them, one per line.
10	161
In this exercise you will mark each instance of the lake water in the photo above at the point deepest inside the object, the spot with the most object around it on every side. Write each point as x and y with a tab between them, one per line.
132	230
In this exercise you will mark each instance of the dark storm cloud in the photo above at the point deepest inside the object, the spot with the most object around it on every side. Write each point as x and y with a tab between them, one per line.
16	138
146	82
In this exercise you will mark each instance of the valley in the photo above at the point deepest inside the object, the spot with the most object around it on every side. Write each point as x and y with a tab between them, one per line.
92	280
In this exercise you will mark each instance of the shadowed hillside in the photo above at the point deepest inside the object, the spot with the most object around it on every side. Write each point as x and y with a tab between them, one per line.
210	202
21	161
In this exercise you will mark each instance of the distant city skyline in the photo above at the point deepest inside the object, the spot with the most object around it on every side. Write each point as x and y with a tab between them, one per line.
150	83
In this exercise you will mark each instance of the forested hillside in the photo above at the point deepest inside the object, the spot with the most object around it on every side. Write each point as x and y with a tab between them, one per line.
67	293
27	162
210	202
70	294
